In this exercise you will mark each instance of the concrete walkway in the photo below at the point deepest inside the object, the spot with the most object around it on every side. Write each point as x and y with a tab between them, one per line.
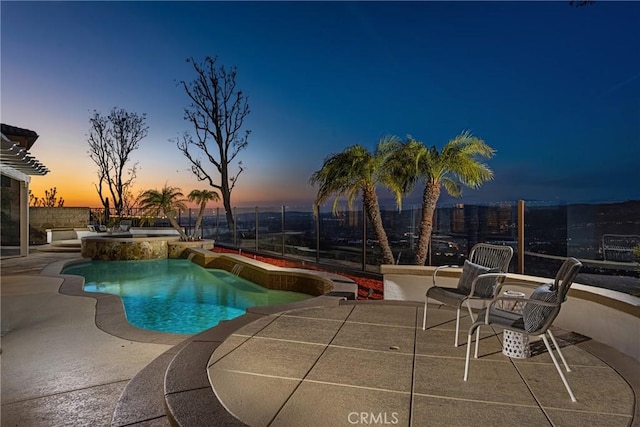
317	366
57	367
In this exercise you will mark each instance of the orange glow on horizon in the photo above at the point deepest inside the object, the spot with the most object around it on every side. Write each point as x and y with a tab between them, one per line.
78	193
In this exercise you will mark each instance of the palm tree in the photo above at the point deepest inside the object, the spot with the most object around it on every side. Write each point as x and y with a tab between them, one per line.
167	202
455	165
201	197
355	170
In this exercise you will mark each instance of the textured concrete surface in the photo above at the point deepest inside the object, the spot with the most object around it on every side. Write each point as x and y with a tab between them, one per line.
57	367
375	366
371	363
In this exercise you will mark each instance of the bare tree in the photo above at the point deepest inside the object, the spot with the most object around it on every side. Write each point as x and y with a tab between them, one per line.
217	112
111	140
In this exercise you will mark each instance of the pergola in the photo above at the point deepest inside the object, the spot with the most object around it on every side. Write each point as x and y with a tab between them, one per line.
18	164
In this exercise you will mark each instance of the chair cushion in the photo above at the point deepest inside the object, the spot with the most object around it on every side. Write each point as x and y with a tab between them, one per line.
534	314
450	296
469	272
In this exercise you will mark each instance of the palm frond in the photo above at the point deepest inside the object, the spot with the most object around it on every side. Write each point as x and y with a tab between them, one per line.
453	186
200	196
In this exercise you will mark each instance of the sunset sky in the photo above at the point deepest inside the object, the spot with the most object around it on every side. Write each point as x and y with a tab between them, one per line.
555	89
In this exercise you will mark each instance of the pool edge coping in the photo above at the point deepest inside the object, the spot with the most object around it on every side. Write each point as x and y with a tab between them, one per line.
110	316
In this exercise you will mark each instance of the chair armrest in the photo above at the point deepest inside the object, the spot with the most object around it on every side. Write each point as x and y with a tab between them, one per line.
435	272
526	300
499	286
483	276
498	299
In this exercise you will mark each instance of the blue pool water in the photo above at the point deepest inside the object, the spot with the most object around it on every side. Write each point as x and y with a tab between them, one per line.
176	295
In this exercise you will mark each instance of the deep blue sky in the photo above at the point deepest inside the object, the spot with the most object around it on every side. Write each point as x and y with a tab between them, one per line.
554	89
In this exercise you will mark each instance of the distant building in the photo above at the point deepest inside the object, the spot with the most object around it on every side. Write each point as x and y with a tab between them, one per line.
17	166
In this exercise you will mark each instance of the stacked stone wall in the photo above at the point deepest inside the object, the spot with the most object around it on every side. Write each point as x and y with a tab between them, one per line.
42	218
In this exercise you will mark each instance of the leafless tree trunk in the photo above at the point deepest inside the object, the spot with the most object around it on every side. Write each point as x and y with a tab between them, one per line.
111	140
217	112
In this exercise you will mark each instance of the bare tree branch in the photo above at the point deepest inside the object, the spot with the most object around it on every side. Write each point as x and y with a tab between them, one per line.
216	112
111	140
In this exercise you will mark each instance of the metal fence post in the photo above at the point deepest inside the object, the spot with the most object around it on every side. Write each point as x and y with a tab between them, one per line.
235	227
256	228
217	233
521	236
364	238
283	237
317	215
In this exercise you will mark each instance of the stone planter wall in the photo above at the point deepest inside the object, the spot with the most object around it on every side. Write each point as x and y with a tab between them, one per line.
125	248
178	249
272	277
105	248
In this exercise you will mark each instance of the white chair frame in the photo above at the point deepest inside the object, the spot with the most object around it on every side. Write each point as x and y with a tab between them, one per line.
563	280
492	256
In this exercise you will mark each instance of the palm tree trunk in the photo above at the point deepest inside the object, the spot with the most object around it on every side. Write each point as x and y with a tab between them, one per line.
372	209
430	197
199	219
174	224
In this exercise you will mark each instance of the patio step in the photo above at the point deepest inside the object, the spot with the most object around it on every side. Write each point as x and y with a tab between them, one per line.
155	395
60	247
142	400
188	396
174	388
72	243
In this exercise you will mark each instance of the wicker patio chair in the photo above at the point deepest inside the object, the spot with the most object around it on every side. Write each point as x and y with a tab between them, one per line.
125	225
539	312
486	266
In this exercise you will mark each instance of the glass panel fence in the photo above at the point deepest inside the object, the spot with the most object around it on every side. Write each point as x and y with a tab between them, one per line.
456	229
341	236
268	223
299	232
604	236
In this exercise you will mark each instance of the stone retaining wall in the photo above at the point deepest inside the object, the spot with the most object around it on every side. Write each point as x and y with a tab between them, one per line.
41	219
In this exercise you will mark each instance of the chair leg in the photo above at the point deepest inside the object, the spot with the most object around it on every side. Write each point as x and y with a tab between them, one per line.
473	319
424	320
555	362
475	355
455	342
555	343
466	363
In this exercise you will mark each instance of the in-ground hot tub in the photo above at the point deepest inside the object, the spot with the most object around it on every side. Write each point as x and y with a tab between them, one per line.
137	247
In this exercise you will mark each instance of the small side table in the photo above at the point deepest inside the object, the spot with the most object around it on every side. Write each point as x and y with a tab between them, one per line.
514	344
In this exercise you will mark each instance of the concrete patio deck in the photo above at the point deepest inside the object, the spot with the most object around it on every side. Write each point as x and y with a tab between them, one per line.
371	363
58	368
346	363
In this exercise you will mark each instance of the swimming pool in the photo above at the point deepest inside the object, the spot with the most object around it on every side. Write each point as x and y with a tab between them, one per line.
176	295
